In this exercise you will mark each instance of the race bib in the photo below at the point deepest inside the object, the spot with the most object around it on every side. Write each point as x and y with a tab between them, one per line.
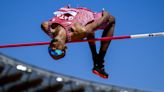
68	15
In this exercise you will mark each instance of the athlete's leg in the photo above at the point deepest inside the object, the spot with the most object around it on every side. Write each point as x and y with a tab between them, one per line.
92	46
90	27
108	32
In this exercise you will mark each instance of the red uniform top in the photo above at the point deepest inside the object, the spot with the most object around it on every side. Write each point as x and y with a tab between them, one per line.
66	17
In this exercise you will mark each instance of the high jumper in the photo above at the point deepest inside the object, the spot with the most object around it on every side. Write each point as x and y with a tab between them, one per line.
71	24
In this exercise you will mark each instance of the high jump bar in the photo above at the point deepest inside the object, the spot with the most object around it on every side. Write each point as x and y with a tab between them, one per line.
147	35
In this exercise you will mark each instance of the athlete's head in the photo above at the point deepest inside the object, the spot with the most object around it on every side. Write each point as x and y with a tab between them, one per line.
57	49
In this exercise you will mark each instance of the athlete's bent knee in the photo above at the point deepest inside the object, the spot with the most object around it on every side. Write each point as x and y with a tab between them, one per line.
112	19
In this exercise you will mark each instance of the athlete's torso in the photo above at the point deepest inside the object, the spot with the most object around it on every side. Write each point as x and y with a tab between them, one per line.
68	16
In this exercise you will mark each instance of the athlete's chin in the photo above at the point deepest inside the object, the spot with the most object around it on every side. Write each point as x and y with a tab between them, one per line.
58	57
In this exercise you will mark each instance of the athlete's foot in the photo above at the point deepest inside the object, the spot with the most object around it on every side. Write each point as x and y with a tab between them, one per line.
100	72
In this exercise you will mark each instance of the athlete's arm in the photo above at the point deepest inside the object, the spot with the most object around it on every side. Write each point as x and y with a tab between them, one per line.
45	27
78	32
